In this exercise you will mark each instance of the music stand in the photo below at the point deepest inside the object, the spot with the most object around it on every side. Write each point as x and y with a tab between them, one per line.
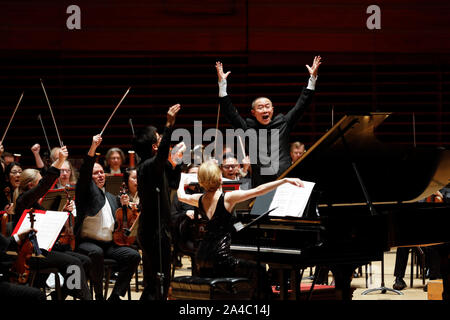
56	199
113	183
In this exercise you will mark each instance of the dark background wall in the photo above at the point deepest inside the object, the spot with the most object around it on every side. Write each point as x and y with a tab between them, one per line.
166	51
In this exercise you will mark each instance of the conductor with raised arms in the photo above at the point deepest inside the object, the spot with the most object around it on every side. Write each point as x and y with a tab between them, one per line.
264	169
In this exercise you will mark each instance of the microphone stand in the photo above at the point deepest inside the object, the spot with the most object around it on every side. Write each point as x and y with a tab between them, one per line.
160	274
239	227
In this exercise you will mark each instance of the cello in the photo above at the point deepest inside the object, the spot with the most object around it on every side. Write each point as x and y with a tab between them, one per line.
67	236
25	251
125	218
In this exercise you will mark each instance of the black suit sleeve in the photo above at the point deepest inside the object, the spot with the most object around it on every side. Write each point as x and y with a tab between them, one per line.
231	114
303	102
7	243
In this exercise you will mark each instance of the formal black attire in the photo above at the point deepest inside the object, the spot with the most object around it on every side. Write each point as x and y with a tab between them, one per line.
186	232
214	258
154	220
89	200
59	258
282	122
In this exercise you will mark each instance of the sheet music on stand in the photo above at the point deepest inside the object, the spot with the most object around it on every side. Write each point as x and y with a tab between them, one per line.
289	200
48	224
56	199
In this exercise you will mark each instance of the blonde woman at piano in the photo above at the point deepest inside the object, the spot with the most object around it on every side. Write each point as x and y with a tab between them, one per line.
214	258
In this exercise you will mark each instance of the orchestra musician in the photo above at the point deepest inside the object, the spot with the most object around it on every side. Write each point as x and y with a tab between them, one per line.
186	224
67	177
297	150
94	226
31	188
213	257
10	182
232	170
114	159
154	236
263	111
432	259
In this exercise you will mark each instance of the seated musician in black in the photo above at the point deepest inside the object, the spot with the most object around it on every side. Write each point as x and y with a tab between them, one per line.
32	187
95	225
266	168
186	224
214	258
9	290
432	258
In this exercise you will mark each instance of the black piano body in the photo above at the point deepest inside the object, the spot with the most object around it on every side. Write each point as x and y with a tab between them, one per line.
366	200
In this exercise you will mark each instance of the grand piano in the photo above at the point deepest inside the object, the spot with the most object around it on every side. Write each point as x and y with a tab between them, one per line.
367	199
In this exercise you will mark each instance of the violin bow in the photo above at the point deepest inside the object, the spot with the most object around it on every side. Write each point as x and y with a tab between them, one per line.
132	128
51	112
45	134
10	120
115	109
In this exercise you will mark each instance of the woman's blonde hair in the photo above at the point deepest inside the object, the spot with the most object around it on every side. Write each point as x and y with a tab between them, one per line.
209	176
73	174
27	176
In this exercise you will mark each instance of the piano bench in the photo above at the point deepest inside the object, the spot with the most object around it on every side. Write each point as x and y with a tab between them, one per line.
196	288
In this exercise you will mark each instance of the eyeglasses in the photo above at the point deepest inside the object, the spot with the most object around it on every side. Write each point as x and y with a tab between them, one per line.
230	166
14	172
66	170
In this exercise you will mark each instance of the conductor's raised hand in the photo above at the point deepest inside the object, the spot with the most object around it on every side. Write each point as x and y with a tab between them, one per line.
315	66
171	114
220	74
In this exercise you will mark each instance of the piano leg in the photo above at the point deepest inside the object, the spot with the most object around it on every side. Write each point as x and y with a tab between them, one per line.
284	286
342	274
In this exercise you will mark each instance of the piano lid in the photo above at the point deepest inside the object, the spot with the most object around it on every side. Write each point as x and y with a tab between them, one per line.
390	173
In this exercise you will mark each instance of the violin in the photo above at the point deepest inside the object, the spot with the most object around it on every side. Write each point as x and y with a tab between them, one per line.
435	198
67	236
125	218
26	249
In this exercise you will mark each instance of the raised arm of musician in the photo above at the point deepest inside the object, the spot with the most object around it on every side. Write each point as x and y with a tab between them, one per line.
96	141
191	199
228	109
62	156
233	197
163	144
306	96
35	149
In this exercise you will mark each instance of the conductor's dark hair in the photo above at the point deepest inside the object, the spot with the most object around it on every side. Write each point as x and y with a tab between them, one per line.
143	142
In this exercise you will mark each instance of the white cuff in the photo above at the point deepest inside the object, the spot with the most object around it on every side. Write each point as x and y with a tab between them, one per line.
222	88
312	83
